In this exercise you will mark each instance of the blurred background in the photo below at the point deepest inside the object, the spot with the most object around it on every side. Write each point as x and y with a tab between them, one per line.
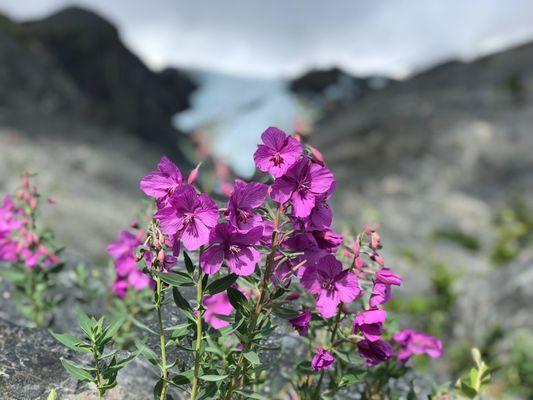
423	110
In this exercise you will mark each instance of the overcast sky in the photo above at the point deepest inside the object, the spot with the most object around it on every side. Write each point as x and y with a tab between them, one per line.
286	37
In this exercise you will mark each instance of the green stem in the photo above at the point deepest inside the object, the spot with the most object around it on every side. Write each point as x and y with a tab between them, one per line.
164	372
258	307
198	345
98	373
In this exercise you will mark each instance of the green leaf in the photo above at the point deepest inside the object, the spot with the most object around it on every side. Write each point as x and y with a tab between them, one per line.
77	371
176	278
221	284
184	378
213	378
236	298
188	263
148	353
285	313
117	365
113	328
180	301
86	324
252	357
139	324
72	342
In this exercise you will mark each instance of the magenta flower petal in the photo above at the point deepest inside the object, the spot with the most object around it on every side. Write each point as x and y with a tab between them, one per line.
332	285
375	352
381	293
322	360
370	323
301	322
212	259
387	277
412	342
243	200
277	153
235	247
162	182
217	304
302	184
189	215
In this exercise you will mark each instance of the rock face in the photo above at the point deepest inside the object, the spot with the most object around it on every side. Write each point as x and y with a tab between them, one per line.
119	87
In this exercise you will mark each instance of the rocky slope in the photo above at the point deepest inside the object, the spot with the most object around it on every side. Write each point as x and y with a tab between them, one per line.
444	151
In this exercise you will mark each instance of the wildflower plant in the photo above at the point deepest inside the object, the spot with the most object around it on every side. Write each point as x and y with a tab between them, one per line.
238	272
97	341
29	254
267	257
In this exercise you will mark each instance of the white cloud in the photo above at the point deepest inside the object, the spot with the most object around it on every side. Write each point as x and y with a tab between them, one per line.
279	37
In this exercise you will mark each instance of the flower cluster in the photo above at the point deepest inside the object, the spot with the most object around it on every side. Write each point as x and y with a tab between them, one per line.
20	241
271	246
128	274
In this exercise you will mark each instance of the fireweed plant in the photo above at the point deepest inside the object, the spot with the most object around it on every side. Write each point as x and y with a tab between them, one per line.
269	254
29	254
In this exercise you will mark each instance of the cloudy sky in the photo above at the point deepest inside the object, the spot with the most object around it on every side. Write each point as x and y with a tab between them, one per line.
286	37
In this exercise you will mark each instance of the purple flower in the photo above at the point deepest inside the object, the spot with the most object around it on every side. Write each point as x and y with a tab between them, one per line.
412	342
387	277
190	215
322	360
328	240
138	280
8	220
381	293
125	246
233	246
120	287
301	322
321	215
243	200
302	183
163	182
375	352
217	304
332	285
307	244
8	249
278	152
370	323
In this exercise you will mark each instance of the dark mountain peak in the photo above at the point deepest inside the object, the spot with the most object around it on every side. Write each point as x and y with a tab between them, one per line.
74	20
120	88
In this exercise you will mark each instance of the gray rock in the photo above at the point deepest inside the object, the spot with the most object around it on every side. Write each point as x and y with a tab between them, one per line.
30	367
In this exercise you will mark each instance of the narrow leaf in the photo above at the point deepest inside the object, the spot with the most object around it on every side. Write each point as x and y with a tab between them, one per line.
252	357
221	284
176	278
188	263
76	371
213	378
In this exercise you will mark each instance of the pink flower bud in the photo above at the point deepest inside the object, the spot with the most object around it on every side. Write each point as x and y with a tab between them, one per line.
194	174
33	203
161	256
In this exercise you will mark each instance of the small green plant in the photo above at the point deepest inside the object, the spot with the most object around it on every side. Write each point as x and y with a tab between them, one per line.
30	254
96	341
474	382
